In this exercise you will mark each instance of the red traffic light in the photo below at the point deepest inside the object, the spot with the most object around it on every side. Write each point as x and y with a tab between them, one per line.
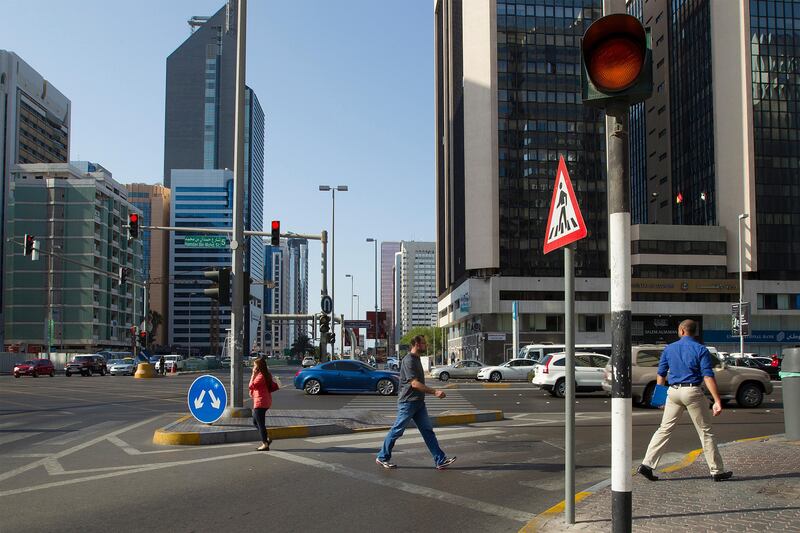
615	50
134	217
275	239
276	224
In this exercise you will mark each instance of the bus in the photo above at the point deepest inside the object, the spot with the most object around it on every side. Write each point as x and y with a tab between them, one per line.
536	352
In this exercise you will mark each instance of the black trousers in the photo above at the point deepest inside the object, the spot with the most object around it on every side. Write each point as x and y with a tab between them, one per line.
259	421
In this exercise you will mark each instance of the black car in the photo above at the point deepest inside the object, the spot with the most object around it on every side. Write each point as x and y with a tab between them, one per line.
86	365
761	363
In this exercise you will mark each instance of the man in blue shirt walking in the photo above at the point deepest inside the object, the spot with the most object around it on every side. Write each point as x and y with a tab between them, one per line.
689	365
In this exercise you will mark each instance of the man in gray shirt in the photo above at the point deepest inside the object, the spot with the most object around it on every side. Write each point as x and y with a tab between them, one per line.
411	406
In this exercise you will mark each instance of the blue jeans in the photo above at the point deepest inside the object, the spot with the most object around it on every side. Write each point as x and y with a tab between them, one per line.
417	412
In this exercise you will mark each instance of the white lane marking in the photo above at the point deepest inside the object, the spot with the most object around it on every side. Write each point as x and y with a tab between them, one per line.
11	437
54	468
77	434
411	488
130	450
69	451
371	435
134	470
9	424
27	455
417	440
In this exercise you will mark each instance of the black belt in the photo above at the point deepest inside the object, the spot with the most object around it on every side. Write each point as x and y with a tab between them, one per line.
679	385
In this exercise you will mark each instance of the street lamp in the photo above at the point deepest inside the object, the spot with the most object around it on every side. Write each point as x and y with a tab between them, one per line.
358	305
377	331
332	189
742	217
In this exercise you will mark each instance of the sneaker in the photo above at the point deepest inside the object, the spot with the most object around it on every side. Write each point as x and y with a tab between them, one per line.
385	464
647	472
722	476
447	462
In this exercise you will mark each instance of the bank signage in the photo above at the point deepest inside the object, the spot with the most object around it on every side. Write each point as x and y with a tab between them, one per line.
762	336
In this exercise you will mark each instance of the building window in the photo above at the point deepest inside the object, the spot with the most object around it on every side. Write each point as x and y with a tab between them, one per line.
591	323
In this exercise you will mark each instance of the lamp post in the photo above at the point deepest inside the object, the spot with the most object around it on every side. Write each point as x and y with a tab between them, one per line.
742	217
377	329
332	189
351	294
358	305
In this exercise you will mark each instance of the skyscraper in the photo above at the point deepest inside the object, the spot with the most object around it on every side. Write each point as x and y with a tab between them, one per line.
388	249
297	284
34	128
275	298
417	284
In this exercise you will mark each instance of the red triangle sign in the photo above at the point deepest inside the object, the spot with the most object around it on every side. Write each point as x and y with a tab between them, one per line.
567	225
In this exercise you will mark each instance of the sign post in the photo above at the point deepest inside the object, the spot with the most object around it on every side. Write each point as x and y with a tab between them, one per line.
515	328
564	227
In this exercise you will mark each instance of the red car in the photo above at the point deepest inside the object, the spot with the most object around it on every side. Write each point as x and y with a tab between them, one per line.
35	368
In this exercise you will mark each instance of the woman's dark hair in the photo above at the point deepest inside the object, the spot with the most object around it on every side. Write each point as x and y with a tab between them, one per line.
261	365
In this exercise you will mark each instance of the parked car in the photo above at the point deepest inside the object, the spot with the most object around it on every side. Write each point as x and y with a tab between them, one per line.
461	369
346	376
86	365
589	371
771	366
515	369
393	363
125	367
225	362
35	368
746	385
308	361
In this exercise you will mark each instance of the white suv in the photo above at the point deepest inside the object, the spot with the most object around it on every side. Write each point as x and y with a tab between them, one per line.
589	370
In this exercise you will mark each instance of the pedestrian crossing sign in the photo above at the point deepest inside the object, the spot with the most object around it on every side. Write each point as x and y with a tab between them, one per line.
565	223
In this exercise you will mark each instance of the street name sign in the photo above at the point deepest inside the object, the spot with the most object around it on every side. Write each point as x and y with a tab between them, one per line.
745	324
357	324
207	399
565	223
205	241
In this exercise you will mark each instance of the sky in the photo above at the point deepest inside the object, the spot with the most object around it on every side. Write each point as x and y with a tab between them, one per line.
347	88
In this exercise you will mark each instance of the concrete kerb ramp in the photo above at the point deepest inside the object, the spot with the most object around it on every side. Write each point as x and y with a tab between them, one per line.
298	424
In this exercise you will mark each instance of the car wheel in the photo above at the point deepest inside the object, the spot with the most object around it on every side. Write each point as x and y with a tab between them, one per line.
67	373
444	376
560	388
35	374
102	371
52	373
16	375
312	387
647	397
386	387
495	376
749	395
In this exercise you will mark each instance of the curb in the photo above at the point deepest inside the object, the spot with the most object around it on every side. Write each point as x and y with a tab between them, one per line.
164	437
687	460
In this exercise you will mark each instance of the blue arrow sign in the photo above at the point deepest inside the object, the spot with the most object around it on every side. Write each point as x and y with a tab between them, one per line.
207	399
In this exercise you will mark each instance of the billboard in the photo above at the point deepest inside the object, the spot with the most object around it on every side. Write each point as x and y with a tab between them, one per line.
381	325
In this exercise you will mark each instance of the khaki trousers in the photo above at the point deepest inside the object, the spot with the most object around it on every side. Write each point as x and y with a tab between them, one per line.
693	400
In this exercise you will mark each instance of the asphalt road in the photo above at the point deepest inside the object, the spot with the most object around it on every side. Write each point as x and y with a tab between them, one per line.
76	455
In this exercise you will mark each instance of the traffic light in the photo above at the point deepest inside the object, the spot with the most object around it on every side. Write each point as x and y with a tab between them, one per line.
276	233
221	290
332	338
616	63
143	338
31	247
324	323
123	275
133	226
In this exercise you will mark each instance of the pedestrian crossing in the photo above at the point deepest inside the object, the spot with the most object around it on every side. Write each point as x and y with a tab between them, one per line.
453	401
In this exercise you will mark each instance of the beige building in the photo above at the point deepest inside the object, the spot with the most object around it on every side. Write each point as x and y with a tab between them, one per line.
154	202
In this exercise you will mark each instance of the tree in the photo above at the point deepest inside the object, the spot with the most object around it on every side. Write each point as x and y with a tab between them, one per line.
302	345
428	332
155	319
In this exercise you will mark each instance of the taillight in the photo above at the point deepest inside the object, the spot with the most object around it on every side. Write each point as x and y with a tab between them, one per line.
546	369
296	373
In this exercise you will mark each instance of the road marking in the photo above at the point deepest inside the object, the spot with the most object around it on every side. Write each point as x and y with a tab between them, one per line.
28	455
417	440
55	468
11	437
69	451
356	436
134	470
411	488
78	433
130	450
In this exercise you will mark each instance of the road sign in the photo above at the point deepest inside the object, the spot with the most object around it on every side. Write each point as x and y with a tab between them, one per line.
205	241
357	324
207	399
564	223
326	304
745	325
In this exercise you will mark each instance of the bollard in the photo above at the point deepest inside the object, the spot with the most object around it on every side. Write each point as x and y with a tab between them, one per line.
790	376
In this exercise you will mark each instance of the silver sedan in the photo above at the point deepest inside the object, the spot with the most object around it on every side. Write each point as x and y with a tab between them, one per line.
463	369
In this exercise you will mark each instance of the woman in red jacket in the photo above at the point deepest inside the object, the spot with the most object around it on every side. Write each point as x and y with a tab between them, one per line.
260	384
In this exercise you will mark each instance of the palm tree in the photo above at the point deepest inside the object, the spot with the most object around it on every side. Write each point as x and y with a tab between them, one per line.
302	345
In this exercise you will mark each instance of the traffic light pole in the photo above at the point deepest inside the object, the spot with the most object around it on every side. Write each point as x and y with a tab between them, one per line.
236	406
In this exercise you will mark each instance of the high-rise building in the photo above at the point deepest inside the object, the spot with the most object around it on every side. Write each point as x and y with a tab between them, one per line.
275	298
296	253
286	266
397	283
417	284
388	249
154	203
718	140
70	298
34	128
199	128
508	104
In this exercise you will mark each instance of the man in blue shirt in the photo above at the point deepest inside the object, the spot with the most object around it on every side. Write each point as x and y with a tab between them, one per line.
689	365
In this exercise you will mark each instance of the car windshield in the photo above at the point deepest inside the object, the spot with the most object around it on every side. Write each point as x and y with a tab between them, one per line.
29	362
82	358
116	362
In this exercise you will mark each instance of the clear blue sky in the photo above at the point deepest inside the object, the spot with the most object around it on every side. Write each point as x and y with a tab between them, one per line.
346	86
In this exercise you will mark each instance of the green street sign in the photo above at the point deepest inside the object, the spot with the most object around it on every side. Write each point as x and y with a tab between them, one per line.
206	241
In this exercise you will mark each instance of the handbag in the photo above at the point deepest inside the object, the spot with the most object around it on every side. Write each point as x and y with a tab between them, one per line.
272	387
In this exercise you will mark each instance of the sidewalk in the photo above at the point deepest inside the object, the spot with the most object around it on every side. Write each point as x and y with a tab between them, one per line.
763	495
288	424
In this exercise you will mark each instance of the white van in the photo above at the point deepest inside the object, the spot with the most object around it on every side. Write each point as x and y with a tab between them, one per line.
536	352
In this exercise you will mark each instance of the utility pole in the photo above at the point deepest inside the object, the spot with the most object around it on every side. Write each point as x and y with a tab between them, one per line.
236	407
